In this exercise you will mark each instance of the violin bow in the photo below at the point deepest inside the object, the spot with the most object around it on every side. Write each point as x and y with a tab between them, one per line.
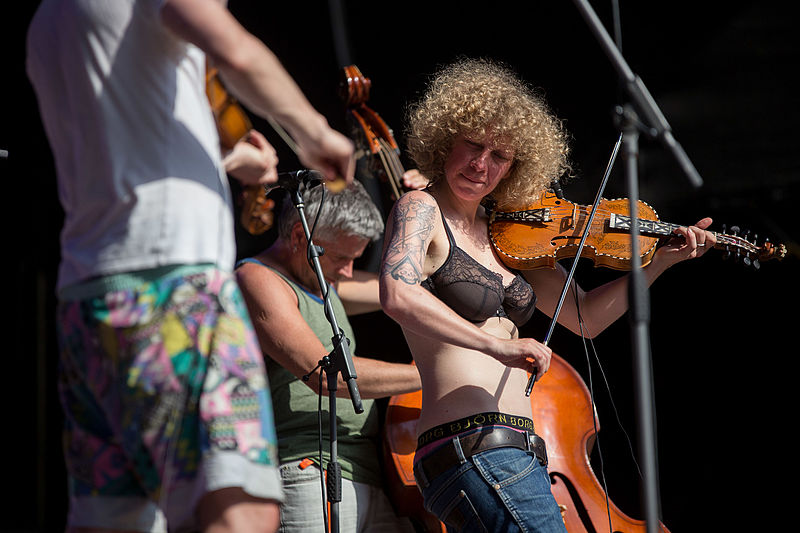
568	281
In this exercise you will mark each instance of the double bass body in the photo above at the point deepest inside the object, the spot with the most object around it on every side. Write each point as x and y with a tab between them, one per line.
563	416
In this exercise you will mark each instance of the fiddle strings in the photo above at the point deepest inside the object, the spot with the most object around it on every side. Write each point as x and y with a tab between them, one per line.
722	238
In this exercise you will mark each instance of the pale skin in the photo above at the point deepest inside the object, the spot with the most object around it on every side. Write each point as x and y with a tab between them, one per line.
468	368
283	333
252	160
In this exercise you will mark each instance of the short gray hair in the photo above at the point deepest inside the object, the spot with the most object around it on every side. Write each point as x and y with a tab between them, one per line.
348	212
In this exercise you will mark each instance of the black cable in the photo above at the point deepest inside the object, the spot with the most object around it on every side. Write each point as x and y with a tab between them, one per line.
581	325
326	296
321	470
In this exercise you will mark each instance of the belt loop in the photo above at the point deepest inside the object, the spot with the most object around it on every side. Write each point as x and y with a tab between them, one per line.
459	451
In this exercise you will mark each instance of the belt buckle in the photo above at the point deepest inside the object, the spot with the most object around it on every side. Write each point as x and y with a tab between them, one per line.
539	448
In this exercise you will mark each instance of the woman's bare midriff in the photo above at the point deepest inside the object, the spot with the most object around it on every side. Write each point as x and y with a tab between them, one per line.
458	382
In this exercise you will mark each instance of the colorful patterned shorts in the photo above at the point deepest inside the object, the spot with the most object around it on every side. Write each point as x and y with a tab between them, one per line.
165	398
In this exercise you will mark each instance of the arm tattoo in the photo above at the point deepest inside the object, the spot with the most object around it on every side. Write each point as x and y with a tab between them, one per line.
412	225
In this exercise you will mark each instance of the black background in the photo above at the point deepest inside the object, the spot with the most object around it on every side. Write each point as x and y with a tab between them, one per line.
721	335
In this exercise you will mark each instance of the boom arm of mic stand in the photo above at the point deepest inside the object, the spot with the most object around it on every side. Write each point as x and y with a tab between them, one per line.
646	110
641	98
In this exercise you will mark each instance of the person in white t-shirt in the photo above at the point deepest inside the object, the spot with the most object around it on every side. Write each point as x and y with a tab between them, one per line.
168	422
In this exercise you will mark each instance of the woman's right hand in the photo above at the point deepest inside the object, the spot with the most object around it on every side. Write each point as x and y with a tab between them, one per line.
525	353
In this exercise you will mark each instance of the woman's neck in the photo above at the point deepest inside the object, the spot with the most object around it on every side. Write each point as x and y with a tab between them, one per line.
456	208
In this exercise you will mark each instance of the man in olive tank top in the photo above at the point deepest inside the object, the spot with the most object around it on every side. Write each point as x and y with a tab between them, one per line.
285	301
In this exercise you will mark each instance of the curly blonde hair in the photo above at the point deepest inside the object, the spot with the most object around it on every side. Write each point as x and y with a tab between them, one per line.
477	97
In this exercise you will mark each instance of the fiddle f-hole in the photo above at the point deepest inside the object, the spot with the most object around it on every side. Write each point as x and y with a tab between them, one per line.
564	240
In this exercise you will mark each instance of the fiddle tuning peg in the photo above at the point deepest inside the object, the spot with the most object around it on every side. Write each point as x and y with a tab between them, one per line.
756	264
746	257
735	232
727	254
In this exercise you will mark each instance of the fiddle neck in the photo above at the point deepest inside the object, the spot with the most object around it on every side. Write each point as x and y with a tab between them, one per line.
657	228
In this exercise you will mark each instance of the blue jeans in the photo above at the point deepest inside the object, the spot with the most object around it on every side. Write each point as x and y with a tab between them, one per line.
503	489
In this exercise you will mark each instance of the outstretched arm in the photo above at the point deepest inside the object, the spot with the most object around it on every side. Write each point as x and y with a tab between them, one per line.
257	78
359	294
285	337
605	304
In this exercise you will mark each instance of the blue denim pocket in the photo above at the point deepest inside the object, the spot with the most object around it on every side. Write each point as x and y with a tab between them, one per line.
446	499
504	489
460	515
522	484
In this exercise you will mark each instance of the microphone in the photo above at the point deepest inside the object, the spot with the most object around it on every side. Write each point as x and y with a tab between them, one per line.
291	181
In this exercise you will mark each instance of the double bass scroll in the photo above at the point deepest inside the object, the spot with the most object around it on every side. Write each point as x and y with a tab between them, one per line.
377	152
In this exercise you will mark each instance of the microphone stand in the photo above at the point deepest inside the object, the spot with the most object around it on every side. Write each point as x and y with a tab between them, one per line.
655	126
339	360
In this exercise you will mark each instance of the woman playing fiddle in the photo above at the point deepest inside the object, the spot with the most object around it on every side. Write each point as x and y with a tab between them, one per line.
478	131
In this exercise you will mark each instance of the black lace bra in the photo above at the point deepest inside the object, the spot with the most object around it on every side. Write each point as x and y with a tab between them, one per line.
477	293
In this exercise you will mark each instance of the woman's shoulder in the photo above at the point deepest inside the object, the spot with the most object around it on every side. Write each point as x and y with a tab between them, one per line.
418	204
418	195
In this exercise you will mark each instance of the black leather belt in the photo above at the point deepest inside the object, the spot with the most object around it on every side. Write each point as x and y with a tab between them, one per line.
446	457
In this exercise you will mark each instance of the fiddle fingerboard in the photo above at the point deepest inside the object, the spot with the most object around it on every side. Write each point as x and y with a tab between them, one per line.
656	228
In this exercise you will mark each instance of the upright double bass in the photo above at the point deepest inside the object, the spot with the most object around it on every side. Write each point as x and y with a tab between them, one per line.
378	165
564	417
377	154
